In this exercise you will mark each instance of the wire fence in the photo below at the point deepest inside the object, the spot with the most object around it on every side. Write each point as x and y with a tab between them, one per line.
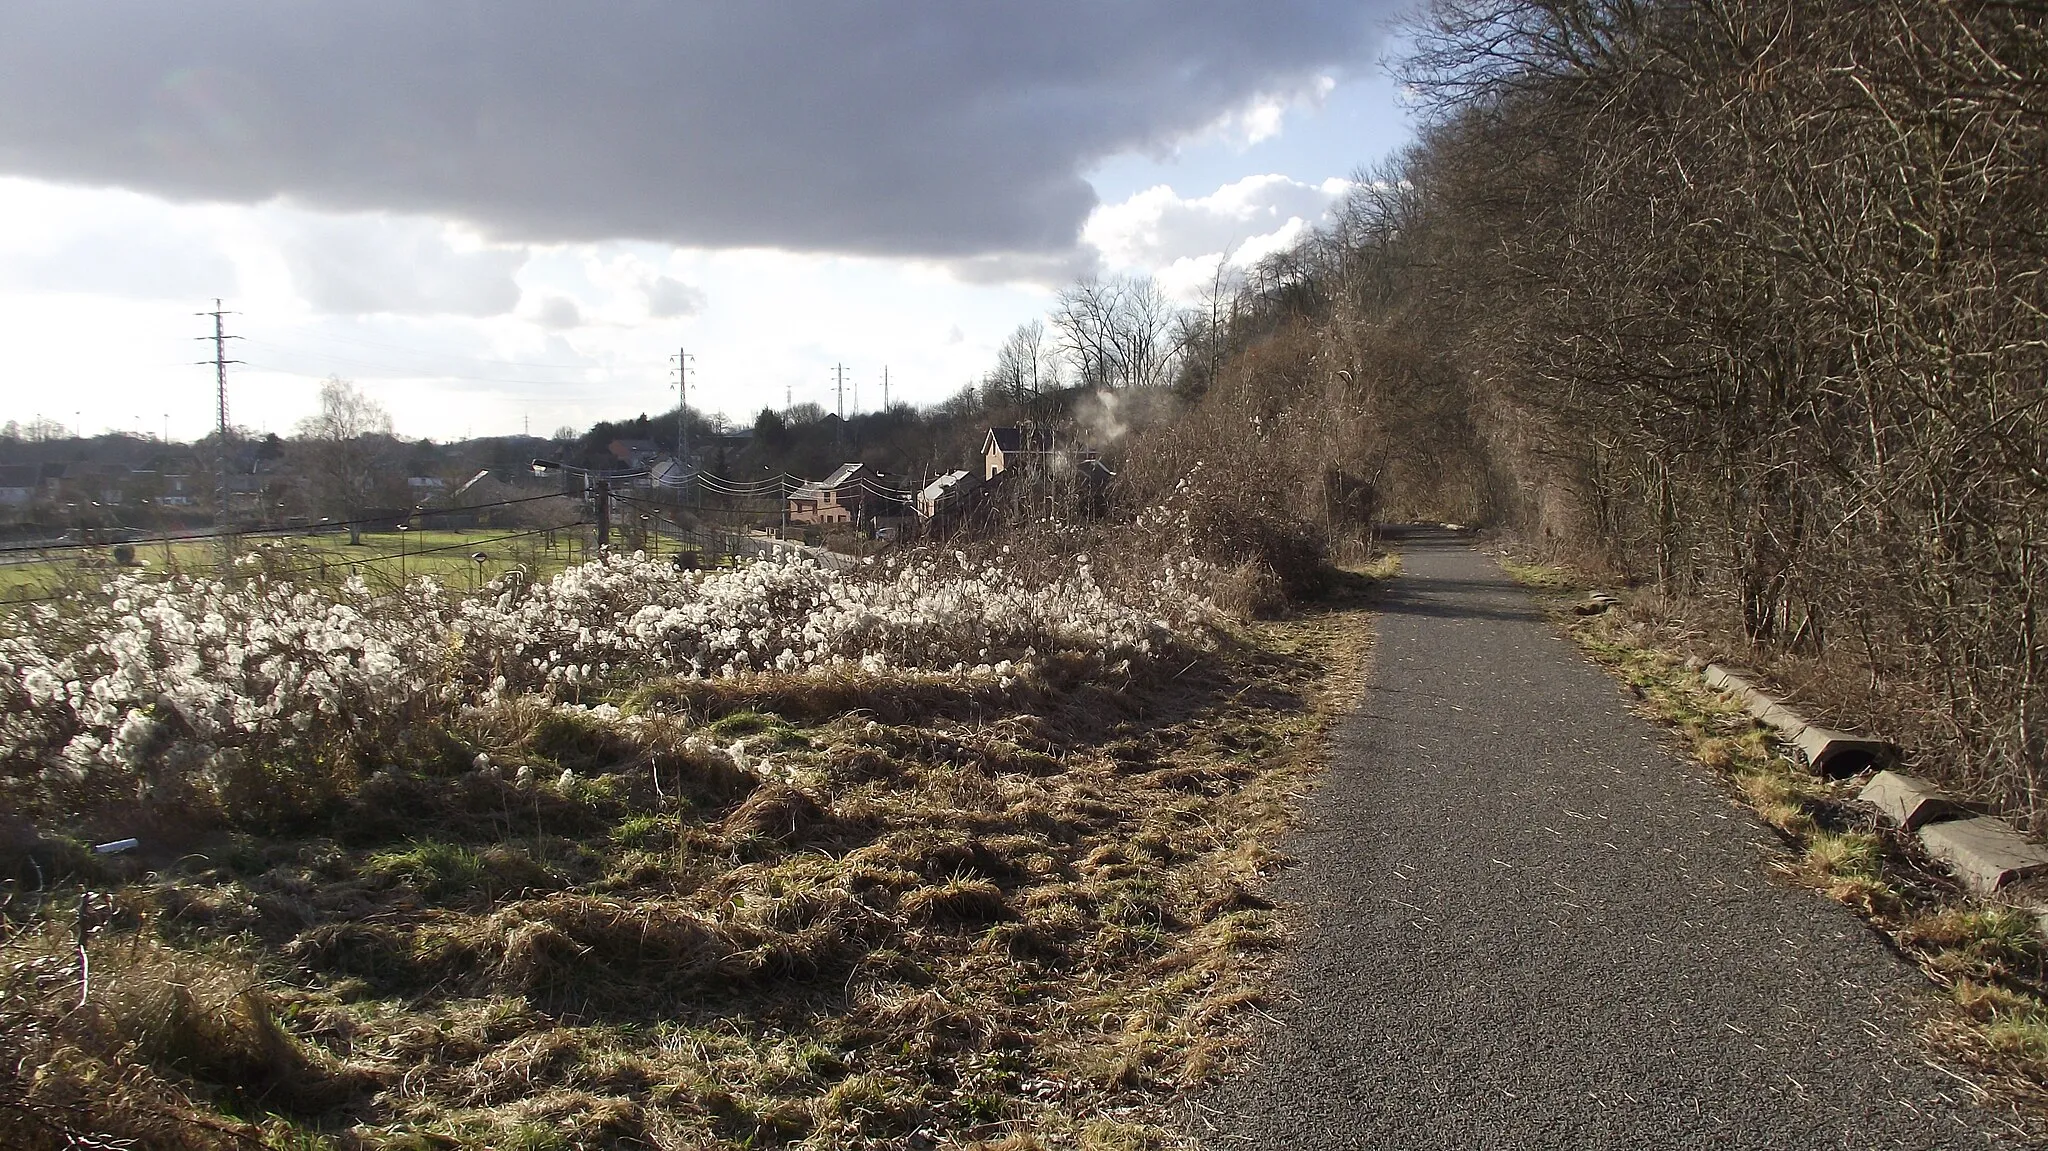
776	490
261	532
327	564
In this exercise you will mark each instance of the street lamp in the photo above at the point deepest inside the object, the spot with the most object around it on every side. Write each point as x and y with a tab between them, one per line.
782	495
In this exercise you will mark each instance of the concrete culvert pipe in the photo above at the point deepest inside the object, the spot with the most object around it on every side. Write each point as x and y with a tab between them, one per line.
1829	752
1837	754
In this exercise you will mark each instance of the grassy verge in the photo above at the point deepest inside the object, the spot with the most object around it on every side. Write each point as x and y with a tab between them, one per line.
1987	956
845	911
381	557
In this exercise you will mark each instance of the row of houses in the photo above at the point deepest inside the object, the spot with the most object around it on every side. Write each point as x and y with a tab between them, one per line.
108	485
1011	458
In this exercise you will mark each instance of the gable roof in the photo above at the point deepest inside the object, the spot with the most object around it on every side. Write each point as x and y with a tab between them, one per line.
941	487
1016	439
626	449
840	477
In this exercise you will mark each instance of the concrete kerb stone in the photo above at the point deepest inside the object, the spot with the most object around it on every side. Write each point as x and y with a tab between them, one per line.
1908	801
1985	852
1831	753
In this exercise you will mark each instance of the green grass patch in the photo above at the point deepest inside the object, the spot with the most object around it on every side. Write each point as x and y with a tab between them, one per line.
436	869
382	558
1543	577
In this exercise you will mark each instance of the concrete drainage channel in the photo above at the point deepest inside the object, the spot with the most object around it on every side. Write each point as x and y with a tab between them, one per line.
1983	851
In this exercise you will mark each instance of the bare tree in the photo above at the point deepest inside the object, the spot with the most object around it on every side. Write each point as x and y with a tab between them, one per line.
341	451
1118	332
1147	333
1027	365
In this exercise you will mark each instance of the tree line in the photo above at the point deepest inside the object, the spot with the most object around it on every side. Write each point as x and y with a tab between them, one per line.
1742	298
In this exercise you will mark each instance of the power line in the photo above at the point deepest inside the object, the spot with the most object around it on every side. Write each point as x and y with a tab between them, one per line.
416	351
405	555
404	374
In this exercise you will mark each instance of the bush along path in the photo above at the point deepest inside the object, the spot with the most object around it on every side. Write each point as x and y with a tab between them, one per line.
1525	924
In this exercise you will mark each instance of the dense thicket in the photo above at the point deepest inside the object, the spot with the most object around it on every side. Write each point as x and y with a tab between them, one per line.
1742	297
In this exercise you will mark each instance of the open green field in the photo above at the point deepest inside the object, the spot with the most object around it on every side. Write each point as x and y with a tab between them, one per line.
382	557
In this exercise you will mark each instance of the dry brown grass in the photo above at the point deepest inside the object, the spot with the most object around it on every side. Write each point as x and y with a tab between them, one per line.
1024	917
155	1044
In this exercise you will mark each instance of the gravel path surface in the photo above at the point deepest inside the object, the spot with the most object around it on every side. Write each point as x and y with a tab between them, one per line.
1524	923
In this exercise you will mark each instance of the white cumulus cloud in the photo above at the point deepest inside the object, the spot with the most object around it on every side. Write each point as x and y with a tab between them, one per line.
668	298
372	263
559	313
1180	239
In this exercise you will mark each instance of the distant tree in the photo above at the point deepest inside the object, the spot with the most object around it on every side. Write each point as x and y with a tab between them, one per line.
341	453
1027	365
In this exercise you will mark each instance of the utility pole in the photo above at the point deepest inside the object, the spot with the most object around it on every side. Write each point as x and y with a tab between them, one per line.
604	513
682	359
839	379
885	387
220	364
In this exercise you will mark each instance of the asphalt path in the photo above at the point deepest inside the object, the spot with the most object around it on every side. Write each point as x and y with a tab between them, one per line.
1524	922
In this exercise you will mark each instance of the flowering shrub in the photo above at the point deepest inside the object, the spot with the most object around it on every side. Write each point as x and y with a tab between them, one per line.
182	683
628	615
193	676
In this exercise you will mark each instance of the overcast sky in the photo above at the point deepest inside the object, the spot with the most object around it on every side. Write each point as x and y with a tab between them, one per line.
503	214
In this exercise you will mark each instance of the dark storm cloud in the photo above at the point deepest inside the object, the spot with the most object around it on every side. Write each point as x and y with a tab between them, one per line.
942	128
